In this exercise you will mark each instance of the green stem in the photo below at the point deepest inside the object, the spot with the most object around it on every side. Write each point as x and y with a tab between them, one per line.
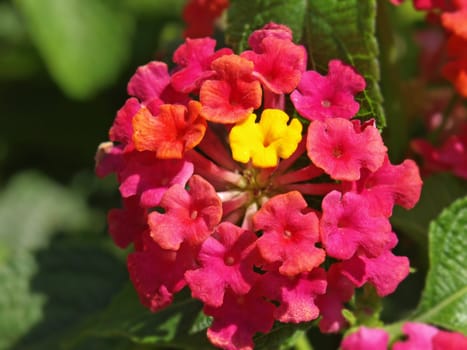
303	343
394	330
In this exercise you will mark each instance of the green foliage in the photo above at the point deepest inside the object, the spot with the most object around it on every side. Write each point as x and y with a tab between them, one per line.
180	325
33	208
50	278
282	336
75	278
20	309
84	43
444	299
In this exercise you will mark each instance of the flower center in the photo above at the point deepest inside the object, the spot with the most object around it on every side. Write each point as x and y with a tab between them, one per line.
229	260
337	152
194	214
326	103
258	184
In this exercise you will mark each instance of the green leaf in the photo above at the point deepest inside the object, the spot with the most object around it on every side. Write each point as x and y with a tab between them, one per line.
32	208
159	8
179	325
19	308
74	278
438	192
346	30
182	325
84	43
48	284
245	16
282	336
444	300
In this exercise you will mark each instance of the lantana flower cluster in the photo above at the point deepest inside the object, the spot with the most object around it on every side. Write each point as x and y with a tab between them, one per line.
248	179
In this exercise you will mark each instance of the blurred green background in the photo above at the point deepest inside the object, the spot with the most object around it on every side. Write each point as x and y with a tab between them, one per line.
64	66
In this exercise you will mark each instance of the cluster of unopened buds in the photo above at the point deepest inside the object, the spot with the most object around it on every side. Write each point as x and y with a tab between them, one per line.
248	179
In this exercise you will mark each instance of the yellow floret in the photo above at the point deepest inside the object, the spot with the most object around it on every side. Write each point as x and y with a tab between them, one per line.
267	141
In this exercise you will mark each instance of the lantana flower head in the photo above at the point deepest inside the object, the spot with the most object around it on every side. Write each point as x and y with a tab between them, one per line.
252	209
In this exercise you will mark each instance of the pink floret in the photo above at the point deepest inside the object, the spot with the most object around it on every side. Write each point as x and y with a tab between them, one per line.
148	83
148	177
295	295
389	185
420	336
279	65
233	94
109	159
151	86
449	341
239	319
127	225
194	59
226	260
384	272
289	234
346	226
366	339
189	216
335	146
157	273
272	29
122	128
320	97
339	291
